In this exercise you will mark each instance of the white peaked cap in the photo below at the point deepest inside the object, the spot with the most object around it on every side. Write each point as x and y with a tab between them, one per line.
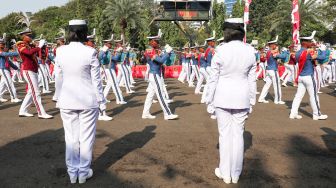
77	22
235	20
156	37
220	39
311	37
274	41
109	40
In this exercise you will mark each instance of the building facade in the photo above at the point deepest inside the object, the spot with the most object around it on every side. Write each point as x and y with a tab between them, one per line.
229	6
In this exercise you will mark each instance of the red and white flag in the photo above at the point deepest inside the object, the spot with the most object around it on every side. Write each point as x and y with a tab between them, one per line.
246	16
246	11
296	21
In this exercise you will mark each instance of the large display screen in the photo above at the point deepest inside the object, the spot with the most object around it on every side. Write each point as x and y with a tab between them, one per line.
184	10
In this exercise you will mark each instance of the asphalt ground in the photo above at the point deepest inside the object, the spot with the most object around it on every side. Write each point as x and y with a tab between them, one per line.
131	152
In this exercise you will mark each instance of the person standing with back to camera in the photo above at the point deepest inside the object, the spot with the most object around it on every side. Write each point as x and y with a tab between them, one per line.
233	66
80	95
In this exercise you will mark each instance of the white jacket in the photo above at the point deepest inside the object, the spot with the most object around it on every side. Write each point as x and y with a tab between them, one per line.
232	84
78	77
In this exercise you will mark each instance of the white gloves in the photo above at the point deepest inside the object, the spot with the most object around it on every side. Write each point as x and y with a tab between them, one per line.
128	48
105	48
168	49
323	47
42	43
119	49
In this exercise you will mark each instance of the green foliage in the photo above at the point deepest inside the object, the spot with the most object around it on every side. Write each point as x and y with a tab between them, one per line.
238	10
219	16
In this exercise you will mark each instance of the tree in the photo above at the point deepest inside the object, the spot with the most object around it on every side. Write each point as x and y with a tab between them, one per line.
310	18
218	19
259	9
238	10
125	13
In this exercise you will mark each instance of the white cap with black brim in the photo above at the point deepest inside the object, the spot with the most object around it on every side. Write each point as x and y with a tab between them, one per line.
26	31
110	39
235	24
274	41
220	39
310	38
158	37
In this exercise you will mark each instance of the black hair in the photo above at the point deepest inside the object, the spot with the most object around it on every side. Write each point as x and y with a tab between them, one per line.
232	34
233	31
77	33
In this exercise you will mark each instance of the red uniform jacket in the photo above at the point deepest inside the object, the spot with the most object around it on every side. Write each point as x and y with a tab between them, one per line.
28	56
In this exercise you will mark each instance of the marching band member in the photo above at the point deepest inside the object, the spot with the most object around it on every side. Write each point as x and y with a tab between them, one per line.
233	66
203	73
184	72
291	66
17	73
30	67
209	53
305	57
108	61
42	58
155	61
272	74
80	95
194	67
122	72
131	64
287	74
6	80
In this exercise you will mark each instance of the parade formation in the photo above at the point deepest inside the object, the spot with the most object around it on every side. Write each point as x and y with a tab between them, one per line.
223	70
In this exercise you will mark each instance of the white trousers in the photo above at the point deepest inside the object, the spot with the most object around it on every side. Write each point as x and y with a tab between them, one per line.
6	82
306	83
272	77
195	74
203	76
288	74
262	69
333	71
147	72
43	77
33	93
17	73
165	92
319	77
112	83
47	69
103	74
231	141
155	88
184	72
79	132
129	70
123	77
327	73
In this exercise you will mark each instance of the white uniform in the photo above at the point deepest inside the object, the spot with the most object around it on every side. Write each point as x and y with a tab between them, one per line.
17	73
234	67
80	94
6	81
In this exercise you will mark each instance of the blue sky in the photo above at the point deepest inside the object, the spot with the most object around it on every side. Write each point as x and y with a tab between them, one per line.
8	6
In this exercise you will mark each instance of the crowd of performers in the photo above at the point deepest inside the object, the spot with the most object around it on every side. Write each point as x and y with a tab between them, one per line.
116	72
196	68
81	97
